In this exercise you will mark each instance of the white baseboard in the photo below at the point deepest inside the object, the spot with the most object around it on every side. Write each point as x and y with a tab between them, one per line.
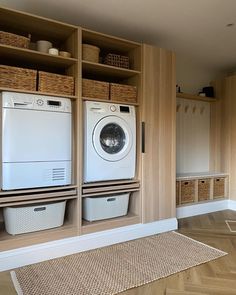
41	252
202	208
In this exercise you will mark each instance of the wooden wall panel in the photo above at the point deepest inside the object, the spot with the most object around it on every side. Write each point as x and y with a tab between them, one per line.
159	114
224	137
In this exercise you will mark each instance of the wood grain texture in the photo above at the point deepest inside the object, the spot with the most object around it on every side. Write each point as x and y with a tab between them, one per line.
158	110
224	138
195	97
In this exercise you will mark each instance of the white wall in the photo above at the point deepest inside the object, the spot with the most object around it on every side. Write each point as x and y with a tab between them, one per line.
193	136
192	76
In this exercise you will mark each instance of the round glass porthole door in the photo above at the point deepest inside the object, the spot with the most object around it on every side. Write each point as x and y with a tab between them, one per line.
112	138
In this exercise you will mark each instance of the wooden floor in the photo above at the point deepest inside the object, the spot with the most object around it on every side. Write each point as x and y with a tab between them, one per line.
216	277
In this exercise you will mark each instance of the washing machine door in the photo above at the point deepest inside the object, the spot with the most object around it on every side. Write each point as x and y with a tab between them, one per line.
112	138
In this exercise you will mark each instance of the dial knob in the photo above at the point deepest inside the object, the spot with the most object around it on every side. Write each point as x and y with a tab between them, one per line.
113	108
39	102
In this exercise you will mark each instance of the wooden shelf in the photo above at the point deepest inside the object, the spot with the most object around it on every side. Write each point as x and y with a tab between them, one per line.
24	197
44	28
195	97
38	93
111	101
9	242
104	183
110	188
105	41
107	71
36	190
111	192
94	226
35	57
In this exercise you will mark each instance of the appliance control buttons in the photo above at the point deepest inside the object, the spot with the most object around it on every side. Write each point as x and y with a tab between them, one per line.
113	108
39	102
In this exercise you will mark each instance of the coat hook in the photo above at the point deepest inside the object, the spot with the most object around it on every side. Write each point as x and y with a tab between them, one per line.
186	109
202	110
178	107
194	109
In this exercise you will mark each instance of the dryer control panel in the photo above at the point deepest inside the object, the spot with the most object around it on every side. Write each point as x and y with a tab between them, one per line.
103	107
36	102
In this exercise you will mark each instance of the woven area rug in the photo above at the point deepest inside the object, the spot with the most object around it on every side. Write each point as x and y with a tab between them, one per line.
113	269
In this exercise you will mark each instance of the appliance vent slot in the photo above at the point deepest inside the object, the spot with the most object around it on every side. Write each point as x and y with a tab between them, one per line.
58	174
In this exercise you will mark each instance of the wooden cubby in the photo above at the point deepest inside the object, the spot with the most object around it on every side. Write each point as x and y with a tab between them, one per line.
67	37
132	217
102	72
196	180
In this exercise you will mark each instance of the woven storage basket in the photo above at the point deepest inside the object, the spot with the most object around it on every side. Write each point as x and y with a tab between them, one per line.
90	52
177	192
95	89
125	93
17	78
14	40
219	188
54	83
187	191
204	189
117	60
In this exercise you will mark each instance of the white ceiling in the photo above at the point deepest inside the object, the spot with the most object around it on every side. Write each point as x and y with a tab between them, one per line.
194	28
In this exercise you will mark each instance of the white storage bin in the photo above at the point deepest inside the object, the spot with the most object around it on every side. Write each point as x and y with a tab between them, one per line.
25	219
98	208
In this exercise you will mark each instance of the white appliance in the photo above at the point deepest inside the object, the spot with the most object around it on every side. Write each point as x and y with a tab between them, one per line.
25	219
99	208
110	141
36	141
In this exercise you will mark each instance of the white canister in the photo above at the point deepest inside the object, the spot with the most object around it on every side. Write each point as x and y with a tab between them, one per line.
53	51
43	46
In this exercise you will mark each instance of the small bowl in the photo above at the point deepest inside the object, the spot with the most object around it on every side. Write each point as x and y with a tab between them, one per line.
65	53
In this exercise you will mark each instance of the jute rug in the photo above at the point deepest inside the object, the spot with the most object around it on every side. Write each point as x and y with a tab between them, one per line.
113	269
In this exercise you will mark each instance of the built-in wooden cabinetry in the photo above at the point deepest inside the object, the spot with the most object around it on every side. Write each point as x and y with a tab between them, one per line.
225	129
200	187
70	38
158	111
66	37
152	72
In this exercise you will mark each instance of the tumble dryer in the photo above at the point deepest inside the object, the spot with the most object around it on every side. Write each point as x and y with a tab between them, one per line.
109	141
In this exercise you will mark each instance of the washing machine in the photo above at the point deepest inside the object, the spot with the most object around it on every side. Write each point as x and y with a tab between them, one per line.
109	141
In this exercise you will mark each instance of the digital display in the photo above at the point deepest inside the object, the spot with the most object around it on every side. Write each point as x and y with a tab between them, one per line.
54	103
124	109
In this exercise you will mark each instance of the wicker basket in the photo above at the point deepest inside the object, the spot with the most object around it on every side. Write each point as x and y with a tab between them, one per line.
204	189
54	83
177	192
18	78
95	89
219	188
14	40
90	52
187	191
117	60
124	93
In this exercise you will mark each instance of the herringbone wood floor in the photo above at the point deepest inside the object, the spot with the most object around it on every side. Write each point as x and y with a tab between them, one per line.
215	278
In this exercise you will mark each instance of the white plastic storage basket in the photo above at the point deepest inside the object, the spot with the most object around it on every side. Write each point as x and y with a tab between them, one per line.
98	208
25	219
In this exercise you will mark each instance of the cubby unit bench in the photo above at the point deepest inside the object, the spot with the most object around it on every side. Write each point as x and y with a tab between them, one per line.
200	187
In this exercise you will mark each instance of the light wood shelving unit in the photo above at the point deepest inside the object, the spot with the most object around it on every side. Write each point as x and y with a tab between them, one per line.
132	76
66	37
194	196
70	38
